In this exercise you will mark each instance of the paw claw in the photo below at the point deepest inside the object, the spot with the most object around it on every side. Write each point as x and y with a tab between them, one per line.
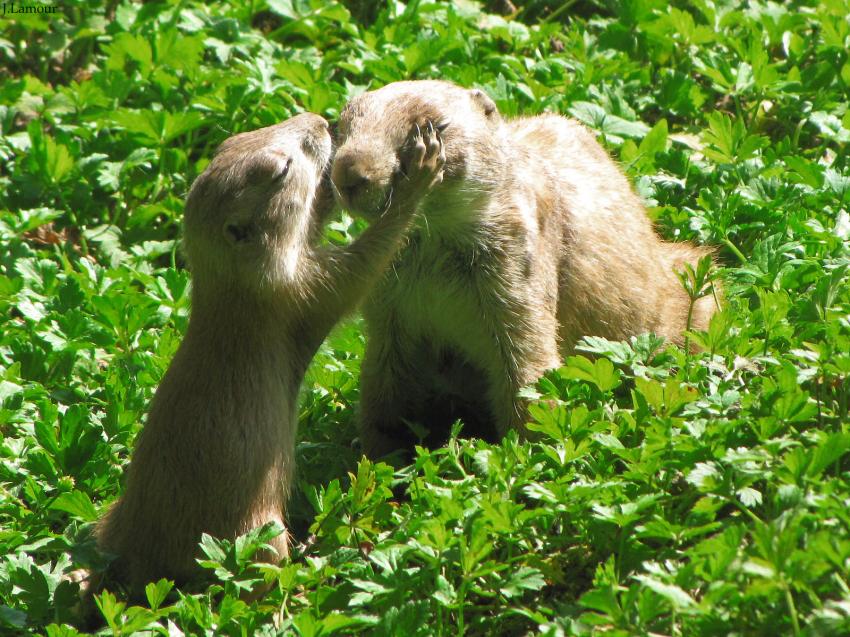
426	158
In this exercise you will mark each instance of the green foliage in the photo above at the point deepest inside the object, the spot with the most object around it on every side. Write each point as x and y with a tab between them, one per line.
665	491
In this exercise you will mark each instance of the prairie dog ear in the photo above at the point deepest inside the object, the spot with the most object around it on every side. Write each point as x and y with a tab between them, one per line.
484	101
239	229
238	234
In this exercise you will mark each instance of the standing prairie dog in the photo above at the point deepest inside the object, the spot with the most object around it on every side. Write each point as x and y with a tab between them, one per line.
216	455
534	239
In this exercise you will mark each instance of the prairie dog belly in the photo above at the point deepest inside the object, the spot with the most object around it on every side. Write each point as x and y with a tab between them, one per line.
451	352
436	296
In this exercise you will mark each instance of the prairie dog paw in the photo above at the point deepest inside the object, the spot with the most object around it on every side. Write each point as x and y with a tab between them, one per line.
425	161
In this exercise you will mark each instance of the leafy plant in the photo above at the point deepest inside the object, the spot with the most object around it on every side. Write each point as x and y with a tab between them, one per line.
664	491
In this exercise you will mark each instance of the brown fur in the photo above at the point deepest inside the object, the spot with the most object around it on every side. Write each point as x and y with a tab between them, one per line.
534	239
216	454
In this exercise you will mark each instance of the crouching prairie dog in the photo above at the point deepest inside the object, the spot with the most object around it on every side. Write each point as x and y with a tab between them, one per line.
534	239
216	455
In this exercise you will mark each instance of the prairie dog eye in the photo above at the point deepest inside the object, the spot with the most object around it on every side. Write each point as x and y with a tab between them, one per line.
266	167
284	170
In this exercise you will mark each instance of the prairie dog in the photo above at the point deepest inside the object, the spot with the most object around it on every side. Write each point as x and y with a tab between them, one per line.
217	452
534	239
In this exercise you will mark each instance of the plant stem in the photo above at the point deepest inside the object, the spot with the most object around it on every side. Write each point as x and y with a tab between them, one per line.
691	303
72	215
820	389
746	511
566	5
792	609
734	249
461	603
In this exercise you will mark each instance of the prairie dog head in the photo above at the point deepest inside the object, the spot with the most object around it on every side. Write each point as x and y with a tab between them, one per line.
374	128
249	215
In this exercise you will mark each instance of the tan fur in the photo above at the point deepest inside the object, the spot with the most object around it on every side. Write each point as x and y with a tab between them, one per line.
534	239
216	454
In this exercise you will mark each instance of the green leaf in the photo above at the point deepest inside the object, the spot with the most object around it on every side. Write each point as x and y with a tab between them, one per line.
128	46
602	600
13	617
52	160
283	8
157	127
111	609
444	592
600	372
666	398
672	593
178	52
655	141
157	592
76	503
213	549
830	450
749	497
596	117
805	171
522	579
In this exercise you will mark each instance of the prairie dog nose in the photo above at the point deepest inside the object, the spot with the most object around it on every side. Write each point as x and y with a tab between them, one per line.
311	121
350	174
317	141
